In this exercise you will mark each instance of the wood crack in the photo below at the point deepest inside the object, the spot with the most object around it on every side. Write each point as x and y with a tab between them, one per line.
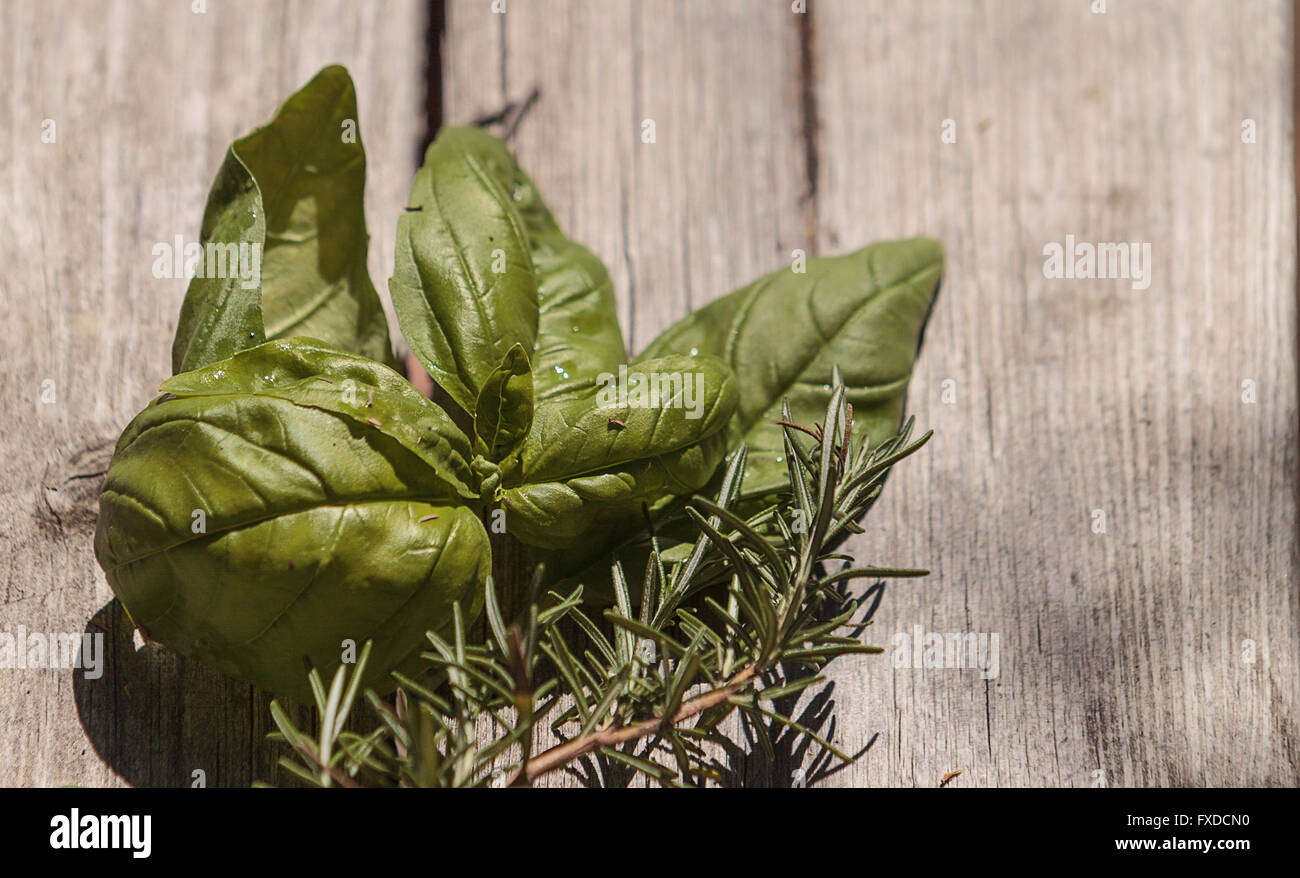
808	119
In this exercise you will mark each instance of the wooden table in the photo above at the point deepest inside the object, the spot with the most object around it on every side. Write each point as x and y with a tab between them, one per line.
1113	482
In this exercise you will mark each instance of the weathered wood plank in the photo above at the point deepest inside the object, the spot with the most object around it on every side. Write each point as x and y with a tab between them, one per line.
713	201
145	97
679	220
1121	652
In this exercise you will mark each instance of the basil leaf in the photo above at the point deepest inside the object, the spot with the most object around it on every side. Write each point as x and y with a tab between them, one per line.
577	331
222	314
504	407
285	224
308	372
562	514
464	287
249	530
637	436
578	334
786	332
643	411
231	604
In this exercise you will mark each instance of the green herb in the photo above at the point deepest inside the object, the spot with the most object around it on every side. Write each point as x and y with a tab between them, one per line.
255	515
649	686
786	332
294	189
289	495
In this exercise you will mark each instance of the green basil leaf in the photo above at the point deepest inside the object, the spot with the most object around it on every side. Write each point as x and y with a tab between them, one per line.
635	436
308	372
222	313
504	408
578	333
562	514
786	332
464	286
249	531
285	230
640	411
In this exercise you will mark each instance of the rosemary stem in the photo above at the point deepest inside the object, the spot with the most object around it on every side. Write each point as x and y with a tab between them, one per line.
562	754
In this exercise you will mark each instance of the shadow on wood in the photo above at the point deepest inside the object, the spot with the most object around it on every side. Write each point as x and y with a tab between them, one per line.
161	720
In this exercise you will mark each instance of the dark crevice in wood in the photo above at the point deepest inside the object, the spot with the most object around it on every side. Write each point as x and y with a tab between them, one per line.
624	215
808	118
433	102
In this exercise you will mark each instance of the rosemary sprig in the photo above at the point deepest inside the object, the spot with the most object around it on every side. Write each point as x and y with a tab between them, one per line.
710	637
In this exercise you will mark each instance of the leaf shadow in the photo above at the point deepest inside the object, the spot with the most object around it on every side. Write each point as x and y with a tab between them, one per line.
160	720
797	760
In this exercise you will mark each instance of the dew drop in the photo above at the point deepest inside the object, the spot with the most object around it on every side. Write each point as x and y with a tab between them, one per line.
695	352
574	328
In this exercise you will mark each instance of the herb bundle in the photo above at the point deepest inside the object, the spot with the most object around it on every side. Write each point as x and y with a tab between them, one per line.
289	495
750	616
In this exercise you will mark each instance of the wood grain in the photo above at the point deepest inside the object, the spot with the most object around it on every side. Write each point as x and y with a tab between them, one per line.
145	96
1121	652
678	220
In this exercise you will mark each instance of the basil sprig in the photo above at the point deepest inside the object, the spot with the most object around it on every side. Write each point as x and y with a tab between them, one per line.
788	331
290	492
287	205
